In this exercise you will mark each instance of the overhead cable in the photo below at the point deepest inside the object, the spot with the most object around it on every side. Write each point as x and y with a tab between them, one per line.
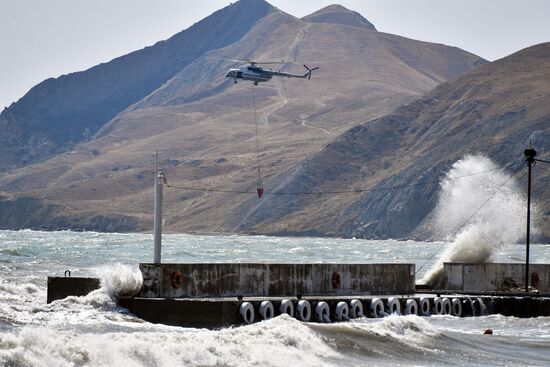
337	192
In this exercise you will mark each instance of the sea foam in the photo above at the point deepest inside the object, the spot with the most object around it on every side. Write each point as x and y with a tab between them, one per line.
281	341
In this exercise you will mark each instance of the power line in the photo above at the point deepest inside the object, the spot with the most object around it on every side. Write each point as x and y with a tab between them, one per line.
470	217
339	192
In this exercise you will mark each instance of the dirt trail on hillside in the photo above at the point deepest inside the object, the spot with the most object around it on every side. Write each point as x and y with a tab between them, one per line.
291	57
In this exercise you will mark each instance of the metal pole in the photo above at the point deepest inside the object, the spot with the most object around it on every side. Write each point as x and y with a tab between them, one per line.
530	155
159	183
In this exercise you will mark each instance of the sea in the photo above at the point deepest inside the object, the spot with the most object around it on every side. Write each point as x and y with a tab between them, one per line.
93	331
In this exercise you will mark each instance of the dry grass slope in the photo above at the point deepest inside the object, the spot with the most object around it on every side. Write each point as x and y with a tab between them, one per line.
203	126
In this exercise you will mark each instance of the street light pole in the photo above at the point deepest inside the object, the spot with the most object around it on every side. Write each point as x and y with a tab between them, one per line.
530	159
160	180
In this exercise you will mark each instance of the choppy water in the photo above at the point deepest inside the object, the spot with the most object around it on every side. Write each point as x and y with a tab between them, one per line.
93	331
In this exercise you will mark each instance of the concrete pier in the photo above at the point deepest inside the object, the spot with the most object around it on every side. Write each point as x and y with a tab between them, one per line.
274	280
62	287
216	313
225	294
198	313
494	277
519	306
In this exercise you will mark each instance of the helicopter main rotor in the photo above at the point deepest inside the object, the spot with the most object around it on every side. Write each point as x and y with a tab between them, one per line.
252	62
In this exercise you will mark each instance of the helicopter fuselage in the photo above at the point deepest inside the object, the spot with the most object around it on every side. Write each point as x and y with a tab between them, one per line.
253	73
257	74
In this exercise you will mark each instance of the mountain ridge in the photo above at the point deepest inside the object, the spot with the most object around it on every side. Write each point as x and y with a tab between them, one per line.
497	109
338	14
203	126
49	110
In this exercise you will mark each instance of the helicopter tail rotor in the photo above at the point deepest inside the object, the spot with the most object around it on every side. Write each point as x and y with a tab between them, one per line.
308	74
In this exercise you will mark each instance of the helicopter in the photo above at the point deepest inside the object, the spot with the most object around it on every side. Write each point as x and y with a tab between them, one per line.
257	74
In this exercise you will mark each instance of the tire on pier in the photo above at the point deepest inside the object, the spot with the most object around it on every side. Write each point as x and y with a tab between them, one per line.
467	307
303	310
456	307
478	307
322	312
447	306
377	308
411	307
341	312
438	306
247	312
287	307
425	306
355	309
394	306
267	311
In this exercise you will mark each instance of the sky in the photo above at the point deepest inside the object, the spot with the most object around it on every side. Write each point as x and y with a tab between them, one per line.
40	39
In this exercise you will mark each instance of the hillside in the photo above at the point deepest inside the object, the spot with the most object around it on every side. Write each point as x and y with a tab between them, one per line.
57	114
203	126
496	110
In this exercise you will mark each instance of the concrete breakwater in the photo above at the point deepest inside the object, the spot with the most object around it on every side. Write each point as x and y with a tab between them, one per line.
226	294
61	287
224	312
494	277
215	280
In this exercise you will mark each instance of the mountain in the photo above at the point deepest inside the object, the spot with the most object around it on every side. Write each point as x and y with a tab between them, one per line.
204	125
340	15
59	113
496	110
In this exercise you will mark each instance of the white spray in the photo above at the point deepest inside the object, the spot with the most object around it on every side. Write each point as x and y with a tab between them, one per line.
119	280
500	221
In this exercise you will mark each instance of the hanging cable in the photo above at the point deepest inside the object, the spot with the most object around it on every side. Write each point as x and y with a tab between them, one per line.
259	184
342	192
470	217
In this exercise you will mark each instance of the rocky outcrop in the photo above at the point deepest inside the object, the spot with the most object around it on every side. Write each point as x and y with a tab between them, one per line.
31	213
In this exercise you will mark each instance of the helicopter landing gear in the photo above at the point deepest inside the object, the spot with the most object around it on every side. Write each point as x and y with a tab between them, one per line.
256	83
